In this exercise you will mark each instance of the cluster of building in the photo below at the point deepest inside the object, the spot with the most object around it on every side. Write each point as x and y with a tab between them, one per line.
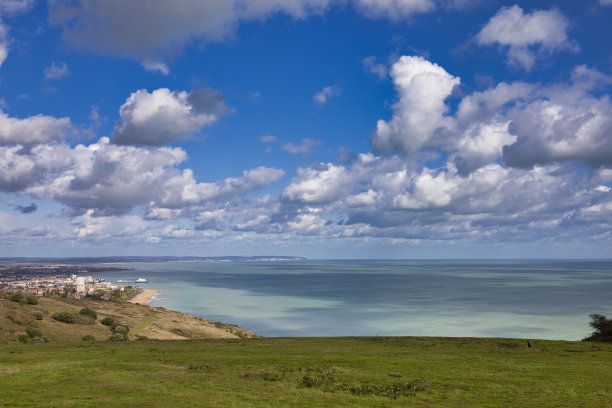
71	286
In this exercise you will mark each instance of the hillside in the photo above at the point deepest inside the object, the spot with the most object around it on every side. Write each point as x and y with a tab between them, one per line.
143	321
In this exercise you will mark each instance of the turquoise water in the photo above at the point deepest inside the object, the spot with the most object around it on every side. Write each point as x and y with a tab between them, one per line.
524	299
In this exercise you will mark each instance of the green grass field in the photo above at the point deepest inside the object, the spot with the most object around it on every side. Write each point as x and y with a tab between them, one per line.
308	372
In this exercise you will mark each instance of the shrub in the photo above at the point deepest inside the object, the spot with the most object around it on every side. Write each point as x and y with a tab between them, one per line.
108	321
24	338
32	300
121	329
23	301
17	296
38	339
37	314
34	331
117	337
89	312
65	317
88	337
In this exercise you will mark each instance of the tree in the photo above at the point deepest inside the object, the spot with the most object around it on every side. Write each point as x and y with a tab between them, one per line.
603	328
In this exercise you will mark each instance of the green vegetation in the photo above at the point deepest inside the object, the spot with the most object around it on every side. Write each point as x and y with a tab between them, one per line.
87	311
602	328
316	372
65	317
38	315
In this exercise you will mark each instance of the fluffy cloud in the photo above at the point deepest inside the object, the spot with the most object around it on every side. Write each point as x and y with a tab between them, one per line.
422	87
33	130
526	36
56	71
113	179
523	124
21	168
164	116
317	185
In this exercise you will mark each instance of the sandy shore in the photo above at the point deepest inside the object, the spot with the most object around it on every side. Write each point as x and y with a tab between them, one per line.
144	296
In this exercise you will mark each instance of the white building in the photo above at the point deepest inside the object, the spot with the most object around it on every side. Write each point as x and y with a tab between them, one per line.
80	284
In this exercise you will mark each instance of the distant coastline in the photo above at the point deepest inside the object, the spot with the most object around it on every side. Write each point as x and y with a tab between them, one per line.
130	259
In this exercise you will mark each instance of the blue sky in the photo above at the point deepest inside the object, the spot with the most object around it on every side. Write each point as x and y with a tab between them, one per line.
320	128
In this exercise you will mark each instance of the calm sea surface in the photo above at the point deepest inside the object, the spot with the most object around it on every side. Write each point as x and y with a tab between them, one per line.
525	299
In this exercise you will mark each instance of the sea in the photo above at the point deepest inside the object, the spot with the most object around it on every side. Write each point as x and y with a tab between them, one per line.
517	299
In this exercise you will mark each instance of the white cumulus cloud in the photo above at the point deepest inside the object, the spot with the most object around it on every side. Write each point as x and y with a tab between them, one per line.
526	36
422	87
165	116
33	130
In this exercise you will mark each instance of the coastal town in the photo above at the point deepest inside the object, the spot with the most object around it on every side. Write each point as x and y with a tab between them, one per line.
62	280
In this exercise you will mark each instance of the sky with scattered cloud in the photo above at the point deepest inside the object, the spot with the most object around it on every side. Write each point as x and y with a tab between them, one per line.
317	128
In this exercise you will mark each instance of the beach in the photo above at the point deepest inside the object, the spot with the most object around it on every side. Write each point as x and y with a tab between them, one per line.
144	296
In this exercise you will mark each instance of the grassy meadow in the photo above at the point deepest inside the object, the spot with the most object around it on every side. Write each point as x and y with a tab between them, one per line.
308	372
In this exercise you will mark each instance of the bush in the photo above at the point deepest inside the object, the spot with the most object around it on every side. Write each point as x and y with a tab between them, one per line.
38	339
117	337
108	321
88	337
24	338
121	329
23	301
17	296
37	314
32	300
65	317
34	331
603	328
89	312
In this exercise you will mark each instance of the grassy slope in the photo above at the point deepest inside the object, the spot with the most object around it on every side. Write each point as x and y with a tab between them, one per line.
316	372
155	323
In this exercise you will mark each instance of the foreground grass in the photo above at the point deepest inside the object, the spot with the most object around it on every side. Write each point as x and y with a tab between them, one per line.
313	372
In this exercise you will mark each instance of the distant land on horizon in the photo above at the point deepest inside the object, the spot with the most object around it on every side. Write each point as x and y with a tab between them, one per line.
122	259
